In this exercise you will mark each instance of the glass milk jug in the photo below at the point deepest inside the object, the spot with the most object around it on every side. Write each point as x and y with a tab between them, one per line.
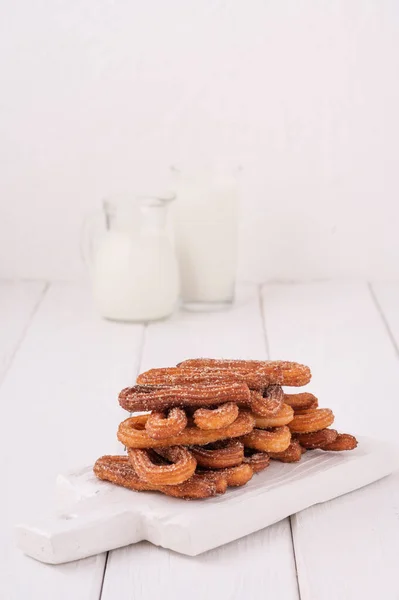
132	262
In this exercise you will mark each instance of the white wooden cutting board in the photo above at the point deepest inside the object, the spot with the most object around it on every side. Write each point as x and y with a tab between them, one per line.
95	516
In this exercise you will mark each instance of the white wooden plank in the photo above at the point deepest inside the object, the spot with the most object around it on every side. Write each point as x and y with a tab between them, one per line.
248	568
260	564
60	402
346	548
386	296
18	301
237	331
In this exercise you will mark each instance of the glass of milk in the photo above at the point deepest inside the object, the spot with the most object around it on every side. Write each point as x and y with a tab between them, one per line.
205	220
132	262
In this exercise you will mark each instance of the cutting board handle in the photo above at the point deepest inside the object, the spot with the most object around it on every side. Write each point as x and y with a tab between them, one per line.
72	536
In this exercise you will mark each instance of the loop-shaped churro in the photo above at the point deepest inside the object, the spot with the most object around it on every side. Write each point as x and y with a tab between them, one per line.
292	454
268	440
343	441
118	470
233	476
147	398
316	439
220	455
182	467
268	404
132	433
271	372
305	410
258	461
301	401
223	415
216	478
283	417
310	420
239	475
160	425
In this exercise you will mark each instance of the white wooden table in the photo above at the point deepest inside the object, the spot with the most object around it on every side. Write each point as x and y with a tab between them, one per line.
61	368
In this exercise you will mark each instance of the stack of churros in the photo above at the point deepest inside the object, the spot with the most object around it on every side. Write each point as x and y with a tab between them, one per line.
211	424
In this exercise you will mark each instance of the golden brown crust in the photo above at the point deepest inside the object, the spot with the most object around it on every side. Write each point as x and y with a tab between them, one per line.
239	475
158	398
283	417
215	478
118	470
203	484
292	454
304	411
132	433
316	439
301	401
160	425
258	461
216	418
176	376
220	455
182	468
233	476
343	441
213	423
312	419
268	440
221	363
269	403
271	372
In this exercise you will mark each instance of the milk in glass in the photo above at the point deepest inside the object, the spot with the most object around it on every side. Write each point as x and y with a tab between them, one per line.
206	238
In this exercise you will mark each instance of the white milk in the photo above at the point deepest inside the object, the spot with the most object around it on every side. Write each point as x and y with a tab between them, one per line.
206	238
134	270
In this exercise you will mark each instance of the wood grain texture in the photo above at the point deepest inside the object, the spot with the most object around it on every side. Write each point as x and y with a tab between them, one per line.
263	561
60	398
60	409
345	548
248	568
236	331
18	302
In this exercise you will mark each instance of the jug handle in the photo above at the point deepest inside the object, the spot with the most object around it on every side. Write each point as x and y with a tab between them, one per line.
88	237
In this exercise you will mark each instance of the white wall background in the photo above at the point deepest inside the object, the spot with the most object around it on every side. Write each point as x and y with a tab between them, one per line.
304	94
